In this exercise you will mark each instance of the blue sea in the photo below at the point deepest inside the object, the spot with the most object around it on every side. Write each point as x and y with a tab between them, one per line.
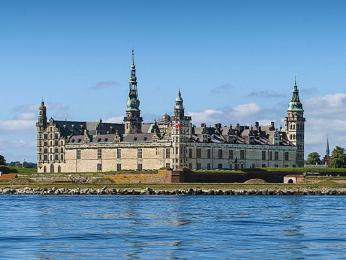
172	227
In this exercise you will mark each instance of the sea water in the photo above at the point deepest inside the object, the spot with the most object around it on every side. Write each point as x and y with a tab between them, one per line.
172	227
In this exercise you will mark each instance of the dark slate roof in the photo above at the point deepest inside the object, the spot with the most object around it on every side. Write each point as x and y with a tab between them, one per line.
138	137
261	135
72	128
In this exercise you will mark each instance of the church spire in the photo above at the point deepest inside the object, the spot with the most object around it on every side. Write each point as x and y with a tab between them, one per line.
327	148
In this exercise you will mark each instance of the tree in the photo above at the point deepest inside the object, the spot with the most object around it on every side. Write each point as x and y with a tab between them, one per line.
2	160
313	158
338	158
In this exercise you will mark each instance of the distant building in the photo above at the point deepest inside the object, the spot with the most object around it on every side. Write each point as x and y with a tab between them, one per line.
326	158
172	142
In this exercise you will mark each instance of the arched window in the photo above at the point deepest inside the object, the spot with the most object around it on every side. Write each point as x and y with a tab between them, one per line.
52	168
44	169
59	169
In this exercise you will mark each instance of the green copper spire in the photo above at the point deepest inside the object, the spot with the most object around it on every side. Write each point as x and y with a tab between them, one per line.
133	101
295	104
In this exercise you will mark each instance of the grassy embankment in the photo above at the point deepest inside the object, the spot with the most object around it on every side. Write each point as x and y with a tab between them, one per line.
311	182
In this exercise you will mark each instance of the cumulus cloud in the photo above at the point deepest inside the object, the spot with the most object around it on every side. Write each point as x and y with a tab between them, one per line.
245	110
239	112
105	85
208	116
224	88
325	117
116	119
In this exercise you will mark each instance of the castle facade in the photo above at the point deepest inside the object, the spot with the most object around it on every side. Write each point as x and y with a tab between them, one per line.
172	142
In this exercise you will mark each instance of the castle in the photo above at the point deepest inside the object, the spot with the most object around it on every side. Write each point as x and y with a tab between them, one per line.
172	142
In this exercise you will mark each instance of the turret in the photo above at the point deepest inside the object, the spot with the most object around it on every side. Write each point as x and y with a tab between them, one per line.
294	124
133	120
42	116
179	107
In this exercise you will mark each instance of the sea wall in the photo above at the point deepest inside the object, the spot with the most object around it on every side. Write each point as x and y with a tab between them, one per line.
149	191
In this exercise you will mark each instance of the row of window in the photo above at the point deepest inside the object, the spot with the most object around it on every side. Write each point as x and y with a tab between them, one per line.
230	166
198	154
118	153
51	157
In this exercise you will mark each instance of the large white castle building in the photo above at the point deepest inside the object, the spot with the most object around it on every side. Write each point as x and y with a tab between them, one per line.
172	142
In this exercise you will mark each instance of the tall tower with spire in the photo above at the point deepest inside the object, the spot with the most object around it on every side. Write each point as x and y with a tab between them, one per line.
294	123
133	120
181	133
41	126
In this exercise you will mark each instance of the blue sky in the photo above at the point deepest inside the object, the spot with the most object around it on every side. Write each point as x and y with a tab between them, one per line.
235	61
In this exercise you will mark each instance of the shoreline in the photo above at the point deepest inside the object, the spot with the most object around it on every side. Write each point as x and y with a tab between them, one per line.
175	192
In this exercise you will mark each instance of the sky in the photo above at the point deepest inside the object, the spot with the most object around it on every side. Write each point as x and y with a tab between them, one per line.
234	61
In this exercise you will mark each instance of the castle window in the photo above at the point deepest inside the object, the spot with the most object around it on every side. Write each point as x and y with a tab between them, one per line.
168	153
190	165
139	167
45	136
118	167
242	154
190	154
208	153
139	153
208	166
62	150
176	150
79	140
230	166
56	150
286	156
45	157
219	153
45	150
118	153
62	143
72	141
198	153
263	155
56	157
270	155
145	138
99	167
61	157
79	154
56	136
219	166
99	153
230	154
135	138
198	166
276	156
56	143
99	140
168	165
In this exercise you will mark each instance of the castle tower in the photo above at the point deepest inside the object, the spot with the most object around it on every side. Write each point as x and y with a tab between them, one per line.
181	133
294	123
133	120
41	126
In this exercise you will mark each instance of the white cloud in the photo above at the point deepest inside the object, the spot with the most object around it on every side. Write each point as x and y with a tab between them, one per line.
207	116
245	110
116	119
16	125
